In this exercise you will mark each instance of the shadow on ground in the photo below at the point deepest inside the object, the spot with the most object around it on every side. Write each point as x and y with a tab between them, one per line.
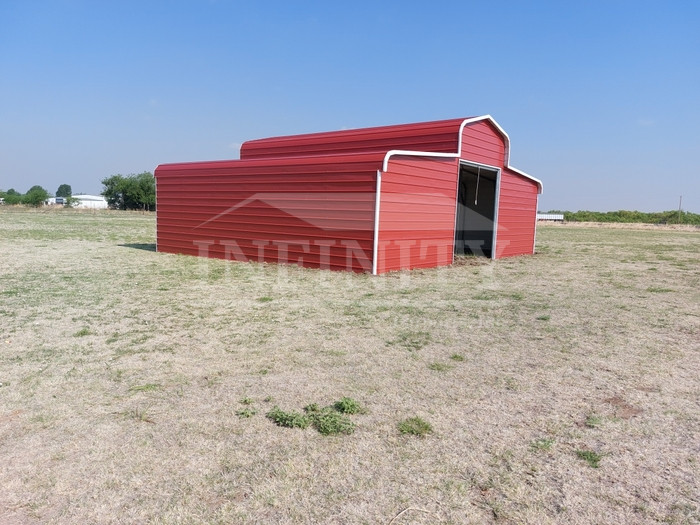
147	247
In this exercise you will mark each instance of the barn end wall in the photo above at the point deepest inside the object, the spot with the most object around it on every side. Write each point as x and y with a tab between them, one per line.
482	143
517	199
320	217
417	213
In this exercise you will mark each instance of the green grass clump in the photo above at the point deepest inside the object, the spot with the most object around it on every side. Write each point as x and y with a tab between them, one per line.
332	419
348	405
593	421
439	367
457	357
328	422
245	413
82	332
658	289
412	340
144	388
415	426
288	419
591	457
542	444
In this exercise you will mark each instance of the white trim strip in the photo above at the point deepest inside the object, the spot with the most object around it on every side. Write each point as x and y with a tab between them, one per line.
377	202
385	165
534	234
506	160
465	123
454	229
499	172
495	213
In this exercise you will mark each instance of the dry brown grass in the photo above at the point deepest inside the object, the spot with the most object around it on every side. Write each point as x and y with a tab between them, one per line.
123	371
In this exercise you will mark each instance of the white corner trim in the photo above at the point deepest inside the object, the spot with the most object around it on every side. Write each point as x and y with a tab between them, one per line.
385	165
377	202
506	160
465	123
496	204
534	235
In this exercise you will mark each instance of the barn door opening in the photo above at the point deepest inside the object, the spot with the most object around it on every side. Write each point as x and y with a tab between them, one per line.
476	210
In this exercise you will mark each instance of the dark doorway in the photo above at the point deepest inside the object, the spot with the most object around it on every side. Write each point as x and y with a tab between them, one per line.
476	208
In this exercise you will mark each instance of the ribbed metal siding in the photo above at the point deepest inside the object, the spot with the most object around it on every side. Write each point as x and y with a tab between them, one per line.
312	212
309	199
438	136
517	199
517	209
482	143
417	213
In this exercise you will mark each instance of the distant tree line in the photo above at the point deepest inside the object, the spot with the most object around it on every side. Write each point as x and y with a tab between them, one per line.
131	192
34	197
37	196
660	217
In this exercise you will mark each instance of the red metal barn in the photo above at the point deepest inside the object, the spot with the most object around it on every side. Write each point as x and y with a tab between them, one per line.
368	200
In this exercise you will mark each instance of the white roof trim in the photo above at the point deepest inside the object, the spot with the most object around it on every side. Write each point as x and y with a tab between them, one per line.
393	152
506	161
466	122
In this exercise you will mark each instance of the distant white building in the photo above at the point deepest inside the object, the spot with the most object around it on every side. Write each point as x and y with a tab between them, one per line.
90	201
52	201
550	217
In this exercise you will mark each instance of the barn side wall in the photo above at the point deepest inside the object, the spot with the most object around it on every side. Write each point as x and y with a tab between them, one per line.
517	210
322	219
417	213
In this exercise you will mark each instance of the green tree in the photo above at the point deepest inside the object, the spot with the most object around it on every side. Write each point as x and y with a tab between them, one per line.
64	190
113	192
146	190
133	192
35	196
12	196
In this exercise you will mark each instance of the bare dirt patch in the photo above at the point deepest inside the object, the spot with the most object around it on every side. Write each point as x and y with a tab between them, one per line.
135	385
622	408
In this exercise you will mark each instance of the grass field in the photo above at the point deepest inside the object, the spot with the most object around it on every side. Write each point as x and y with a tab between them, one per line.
135	386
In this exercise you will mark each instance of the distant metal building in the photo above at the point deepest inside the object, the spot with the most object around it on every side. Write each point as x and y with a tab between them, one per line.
557	217
90	201
374	199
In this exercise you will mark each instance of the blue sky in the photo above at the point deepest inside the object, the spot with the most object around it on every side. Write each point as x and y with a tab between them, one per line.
601	99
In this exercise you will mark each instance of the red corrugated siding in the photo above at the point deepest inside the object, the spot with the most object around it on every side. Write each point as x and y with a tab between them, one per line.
314	212
517	204
517	209
482	143
437	136
417	213
309	199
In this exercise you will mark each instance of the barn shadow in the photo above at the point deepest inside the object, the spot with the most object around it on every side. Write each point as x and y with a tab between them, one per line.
146	247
